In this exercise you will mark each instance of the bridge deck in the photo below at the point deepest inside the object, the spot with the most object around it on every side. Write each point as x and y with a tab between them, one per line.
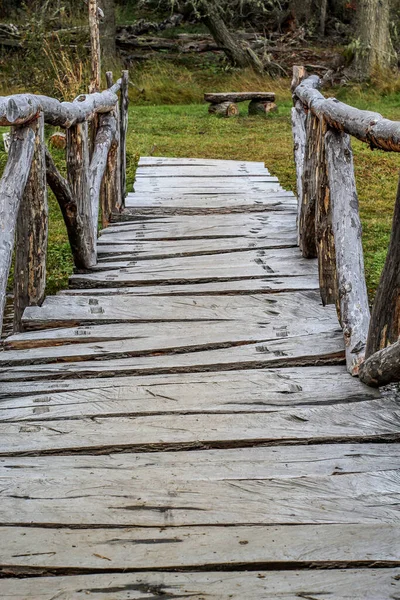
180	422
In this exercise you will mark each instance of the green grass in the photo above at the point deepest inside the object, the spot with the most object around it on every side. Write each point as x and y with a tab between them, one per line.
159	125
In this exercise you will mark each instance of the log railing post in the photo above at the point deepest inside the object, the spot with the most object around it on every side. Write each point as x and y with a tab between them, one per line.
309	190
124	105
110	195
346	225
299	140
325	243
12	186
78	180
31	233
385	320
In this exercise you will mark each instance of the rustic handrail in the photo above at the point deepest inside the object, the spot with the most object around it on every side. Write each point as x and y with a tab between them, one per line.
94	179
329	226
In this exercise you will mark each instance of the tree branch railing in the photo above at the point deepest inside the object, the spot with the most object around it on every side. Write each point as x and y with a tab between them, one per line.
329	226
95	182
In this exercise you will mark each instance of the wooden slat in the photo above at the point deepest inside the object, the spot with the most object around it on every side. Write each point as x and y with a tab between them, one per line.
115	499
372	420
200	269
223	464
171	547
238	391
333	584
312	349
264	285
58	311
179	227
170	249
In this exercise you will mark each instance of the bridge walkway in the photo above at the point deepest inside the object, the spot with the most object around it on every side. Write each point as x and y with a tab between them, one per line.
180	423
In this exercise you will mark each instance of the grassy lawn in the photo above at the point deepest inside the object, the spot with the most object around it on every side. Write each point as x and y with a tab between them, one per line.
187	130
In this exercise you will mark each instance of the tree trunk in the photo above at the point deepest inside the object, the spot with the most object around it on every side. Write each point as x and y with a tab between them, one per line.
108	31
301	10
374	46
238	55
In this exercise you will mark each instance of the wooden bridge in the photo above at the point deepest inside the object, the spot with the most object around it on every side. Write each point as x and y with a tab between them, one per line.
181	422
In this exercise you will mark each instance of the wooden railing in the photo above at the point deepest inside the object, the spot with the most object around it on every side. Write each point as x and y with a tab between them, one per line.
329	226
95	165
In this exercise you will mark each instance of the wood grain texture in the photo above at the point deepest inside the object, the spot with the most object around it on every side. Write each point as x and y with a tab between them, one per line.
256	309
198	269
374	420
235	391
147	548
333	584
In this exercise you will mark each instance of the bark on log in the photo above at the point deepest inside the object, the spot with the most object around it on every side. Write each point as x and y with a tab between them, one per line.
124	107
353	296
31	233
385	320
104	139
325	241
75	227
383	367
12	186
365	125
218	98
23	108
226	109
299	141
261	108
309	193
78	180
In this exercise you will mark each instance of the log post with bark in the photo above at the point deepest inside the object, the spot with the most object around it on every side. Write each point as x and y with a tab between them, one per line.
330	226
30	167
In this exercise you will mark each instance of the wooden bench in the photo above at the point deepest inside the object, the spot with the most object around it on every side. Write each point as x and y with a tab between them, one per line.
226	103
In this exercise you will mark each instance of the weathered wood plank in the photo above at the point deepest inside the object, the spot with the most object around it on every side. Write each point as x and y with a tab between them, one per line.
157	502
373	420
306	218
200	269
169	249
264	285
333	584
169	547
264	224
222	464
233	391
313	349
162	161
64	311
